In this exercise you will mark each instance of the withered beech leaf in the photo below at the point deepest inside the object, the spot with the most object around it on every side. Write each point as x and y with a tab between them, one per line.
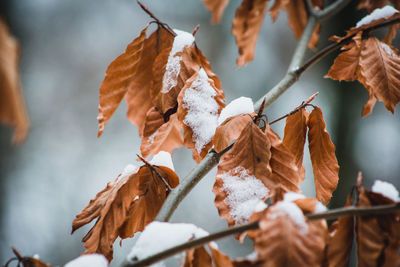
199	104
246	26
367	109
346	65
280	241
118	77
283	164
12	105
294	138
220	259
159	135
217	8
124	207
189	65
26	261
138	95
197	257
380	68
205	64
243	178
323	158
340	240
230	130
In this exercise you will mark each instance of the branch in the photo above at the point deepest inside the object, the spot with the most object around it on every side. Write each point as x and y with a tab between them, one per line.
159	22
330	214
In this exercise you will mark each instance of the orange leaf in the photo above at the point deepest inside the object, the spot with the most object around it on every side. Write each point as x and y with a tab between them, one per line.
12	106
197	257
246	26
244	175
217	8
219	258
283	242
283	164
367	109
124	207
138	95
230	130
199	104
323	159
159	135
380	64
295	138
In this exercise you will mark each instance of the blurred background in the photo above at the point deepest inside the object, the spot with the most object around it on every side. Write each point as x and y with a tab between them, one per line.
66	47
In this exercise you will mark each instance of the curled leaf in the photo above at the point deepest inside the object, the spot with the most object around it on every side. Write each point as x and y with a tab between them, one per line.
217	8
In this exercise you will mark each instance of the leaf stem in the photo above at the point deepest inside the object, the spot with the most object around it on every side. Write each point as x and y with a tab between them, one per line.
330	214
159	22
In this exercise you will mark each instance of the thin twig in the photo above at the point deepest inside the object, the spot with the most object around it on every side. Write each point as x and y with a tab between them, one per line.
330	214
195	29
151	14
148	164
303	105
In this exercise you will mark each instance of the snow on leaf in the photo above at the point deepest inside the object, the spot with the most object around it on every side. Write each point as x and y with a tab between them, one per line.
230	130
380	71
282	241
217	8
200	103
92	260
159	135
294	138
377	14
124	207
386	189
241	105
138	95
323	158
12	107
246	26
241	173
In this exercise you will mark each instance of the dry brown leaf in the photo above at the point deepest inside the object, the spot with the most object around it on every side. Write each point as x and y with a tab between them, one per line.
249	156
295	138
217	8
340	242
283	164
369	106
205	64
199	104
230	130
346	66
219	258
138	95
25	261
380	68
246	26
12	105
124	207
159	135
280	241
197	257
391	34
323	158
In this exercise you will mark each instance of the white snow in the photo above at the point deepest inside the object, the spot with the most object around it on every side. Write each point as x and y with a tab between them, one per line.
163	159
294	213
388	50
320	207
378	13
159	236
129	169
36	256
292	196
92	260
173	67
260	206
241	105
202	110
244	193
386	189
151	138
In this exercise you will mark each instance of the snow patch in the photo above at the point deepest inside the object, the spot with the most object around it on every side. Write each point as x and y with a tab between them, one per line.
386	189
202	110
294	213
159	236
378	13
320	207
292	196
244	193
241	105
260	206
388	50
92	260
173	67
163	159
129	169
151	138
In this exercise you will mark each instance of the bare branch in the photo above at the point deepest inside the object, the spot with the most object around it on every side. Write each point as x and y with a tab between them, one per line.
330	214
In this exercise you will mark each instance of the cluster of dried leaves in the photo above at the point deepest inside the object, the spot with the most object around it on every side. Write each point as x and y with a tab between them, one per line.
138	75
249	18
12	106
374	63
